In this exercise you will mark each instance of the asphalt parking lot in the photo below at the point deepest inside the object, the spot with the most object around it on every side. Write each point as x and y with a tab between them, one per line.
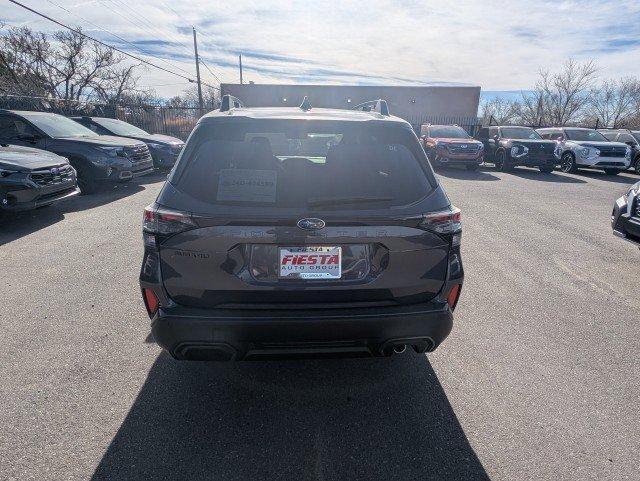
538	380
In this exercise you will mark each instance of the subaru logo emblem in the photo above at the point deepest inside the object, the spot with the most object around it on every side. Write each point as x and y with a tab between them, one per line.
311	224
55	171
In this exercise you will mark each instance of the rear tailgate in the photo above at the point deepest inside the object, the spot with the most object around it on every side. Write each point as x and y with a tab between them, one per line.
227	266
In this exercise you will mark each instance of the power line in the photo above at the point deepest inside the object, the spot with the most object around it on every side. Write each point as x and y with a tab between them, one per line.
78	32
200	33
150	26
117	36
210	71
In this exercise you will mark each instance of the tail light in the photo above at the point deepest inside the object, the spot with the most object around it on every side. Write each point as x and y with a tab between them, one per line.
151	301
452	297
161	221
444	222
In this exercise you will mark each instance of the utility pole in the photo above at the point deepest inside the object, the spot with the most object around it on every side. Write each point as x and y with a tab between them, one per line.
195	48
240	59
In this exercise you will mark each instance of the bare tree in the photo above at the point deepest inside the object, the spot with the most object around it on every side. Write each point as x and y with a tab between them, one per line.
615	102
189	98
500	111
72	67
559	98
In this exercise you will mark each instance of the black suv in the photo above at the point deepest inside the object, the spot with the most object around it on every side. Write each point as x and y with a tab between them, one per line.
294	232
507	147
32	178
164	148
629	137
95	158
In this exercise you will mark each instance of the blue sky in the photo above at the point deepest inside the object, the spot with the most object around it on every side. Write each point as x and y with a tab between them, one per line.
499	45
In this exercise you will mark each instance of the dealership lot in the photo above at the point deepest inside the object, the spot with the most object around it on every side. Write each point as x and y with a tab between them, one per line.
538	380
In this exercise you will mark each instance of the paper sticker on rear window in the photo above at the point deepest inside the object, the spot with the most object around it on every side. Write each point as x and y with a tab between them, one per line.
246	185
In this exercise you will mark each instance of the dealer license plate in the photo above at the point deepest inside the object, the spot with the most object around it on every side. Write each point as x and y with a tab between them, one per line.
310	262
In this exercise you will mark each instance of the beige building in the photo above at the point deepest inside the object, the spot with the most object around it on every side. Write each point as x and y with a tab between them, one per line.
445	104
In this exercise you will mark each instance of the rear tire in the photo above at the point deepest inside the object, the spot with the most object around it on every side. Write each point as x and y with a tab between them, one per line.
636	165
568	163
86	180
611	171
472	167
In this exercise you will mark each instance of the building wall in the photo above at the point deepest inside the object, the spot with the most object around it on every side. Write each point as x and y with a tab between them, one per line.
417	105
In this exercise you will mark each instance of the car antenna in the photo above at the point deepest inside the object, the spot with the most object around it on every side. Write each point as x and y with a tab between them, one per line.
305	105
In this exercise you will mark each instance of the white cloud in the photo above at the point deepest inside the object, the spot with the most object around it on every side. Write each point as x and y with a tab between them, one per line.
499	45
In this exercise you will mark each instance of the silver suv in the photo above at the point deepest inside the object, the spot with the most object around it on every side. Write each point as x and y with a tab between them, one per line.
580	148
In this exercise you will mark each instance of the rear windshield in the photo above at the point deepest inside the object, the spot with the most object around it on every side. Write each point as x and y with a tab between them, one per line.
317	164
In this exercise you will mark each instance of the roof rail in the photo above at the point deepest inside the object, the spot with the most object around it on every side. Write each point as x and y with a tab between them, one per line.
379	106
230	102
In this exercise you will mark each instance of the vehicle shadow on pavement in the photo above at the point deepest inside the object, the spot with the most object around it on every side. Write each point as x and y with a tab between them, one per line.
464	174
554	177
13	226
152	178
331	420
623	178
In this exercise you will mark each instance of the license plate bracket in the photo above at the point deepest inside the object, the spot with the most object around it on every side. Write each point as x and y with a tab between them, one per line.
310	262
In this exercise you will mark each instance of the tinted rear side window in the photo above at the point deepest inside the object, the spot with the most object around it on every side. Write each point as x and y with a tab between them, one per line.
319	164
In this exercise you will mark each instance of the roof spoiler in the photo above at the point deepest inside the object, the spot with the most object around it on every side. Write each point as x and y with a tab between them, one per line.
230	102
379	106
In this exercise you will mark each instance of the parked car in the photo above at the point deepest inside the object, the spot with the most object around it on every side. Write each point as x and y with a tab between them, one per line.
301	232
164	148
625	218
95	158
630	138
580	148
507	147
33	178
451	145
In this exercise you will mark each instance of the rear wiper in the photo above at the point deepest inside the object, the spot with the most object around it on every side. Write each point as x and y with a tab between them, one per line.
345	200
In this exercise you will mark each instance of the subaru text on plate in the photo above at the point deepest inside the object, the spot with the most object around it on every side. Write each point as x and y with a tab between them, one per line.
297	232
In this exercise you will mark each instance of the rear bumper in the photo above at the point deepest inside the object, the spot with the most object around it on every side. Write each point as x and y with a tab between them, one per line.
196	334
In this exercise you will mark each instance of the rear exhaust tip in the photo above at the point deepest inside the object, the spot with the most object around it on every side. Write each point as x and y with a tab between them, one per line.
399	348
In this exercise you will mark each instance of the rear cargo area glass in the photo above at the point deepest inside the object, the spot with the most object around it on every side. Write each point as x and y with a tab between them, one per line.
320	164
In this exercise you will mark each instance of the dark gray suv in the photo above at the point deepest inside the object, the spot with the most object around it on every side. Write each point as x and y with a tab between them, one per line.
164	148
96	158
295	232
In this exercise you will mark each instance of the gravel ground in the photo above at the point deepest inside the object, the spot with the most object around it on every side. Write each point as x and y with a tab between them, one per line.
538	380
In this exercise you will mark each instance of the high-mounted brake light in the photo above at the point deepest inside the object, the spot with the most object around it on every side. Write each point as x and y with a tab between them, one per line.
444	222
157	220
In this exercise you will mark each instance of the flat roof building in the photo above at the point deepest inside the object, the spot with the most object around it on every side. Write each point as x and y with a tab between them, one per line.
445	104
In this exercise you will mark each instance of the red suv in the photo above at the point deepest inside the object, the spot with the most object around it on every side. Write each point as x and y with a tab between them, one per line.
450	144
